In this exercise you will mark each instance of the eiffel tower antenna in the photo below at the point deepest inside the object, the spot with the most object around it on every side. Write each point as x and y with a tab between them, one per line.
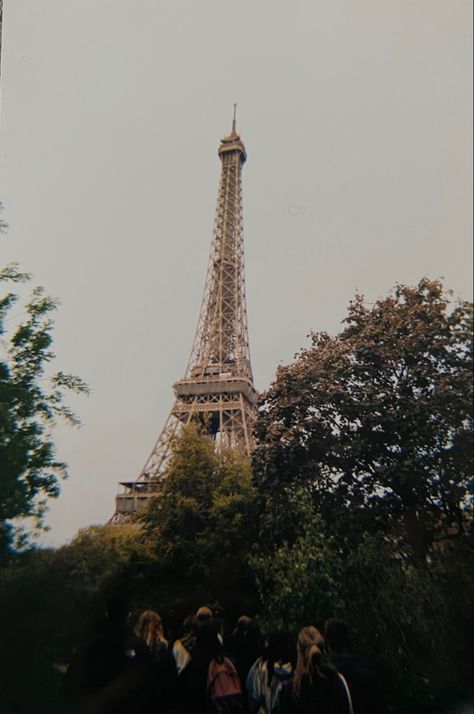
217	389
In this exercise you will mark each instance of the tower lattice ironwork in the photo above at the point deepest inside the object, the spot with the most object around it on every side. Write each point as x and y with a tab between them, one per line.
217	388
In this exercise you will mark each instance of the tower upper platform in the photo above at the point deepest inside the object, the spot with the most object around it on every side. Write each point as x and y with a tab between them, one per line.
233	144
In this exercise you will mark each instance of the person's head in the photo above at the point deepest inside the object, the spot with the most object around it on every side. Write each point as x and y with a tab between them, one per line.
149	628
242	626
311	660
277	649
117	609
253	635
191	625
338	636
243	623
208	637
204	614
278	646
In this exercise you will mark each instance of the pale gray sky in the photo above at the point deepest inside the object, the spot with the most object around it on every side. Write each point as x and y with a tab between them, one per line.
356	115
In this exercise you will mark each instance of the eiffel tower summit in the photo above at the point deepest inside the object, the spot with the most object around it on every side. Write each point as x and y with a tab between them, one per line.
217	388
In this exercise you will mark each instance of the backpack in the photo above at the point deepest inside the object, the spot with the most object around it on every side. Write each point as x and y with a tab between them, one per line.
223	687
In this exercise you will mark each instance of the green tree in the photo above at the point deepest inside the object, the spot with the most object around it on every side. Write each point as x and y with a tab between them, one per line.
416	620
377	421
202	524
30	404
300	581
51	601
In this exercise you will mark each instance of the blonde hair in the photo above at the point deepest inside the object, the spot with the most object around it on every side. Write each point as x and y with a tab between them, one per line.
311	658
149	628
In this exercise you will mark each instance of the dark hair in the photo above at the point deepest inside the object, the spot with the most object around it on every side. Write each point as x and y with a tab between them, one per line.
118	608
208	638
337	635
253	634
278	649
247	628
242	625
191	624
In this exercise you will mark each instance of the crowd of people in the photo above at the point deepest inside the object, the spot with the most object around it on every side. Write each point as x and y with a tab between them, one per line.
125	669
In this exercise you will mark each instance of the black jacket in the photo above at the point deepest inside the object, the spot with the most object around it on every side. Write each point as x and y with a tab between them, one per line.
325	696
367	697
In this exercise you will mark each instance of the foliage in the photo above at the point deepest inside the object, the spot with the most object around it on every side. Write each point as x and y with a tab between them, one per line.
50	601
377	421
412	624
415	620
203	522
299	582
29	407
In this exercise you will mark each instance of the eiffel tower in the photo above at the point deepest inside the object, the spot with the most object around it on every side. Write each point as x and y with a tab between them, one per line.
217	388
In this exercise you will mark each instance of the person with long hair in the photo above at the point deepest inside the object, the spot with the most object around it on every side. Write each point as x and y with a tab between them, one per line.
246	644
149	629
268	673
112	672
193	678
316	687
364	683
183	648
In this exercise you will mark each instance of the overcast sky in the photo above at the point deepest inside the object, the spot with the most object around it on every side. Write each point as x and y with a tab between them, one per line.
356	116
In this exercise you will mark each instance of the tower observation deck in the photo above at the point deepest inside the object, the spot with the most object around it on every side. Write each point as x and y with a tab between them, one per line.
217	389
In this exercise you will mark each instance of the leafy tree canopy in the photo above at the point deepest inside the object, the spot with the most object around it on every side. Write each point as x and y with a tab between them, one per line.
377	421
51	601
299	581
30	403
204	521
